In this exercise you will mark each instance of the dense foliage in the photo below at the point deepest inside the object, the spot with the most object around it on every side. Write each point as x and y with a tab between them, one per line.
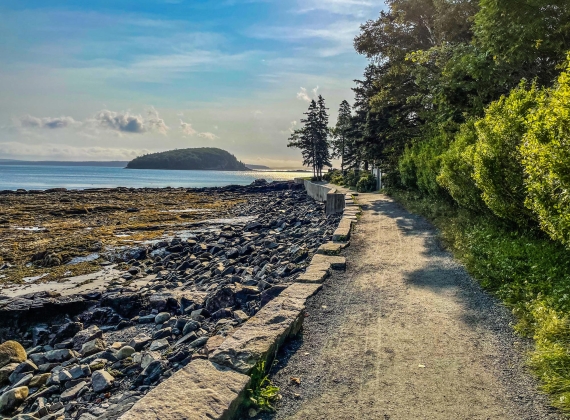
465	105
202	158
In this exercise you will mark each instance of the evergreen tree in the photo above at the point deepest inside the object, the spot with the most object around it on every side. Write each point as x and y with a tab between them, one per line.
342	144
312	138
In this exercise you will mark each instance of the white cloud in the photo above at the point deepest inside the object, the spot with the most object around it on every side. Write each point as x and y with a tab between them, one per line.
209	136
342	7
187	128
129	123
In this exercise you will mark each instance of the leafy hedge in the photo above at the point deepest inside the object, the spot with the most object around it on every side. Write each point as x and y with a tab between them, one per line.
546	160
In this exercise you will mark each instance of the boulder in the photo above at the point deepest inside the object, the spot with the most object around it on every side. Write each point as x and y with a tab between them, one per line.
12	352
102	380
39	380
73	392
92	347
5	373
162	318
13	398
140	341
58	356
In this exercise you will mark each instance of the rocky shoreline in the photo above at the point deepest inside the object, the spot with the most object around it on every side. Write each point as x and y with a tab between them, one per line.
95	354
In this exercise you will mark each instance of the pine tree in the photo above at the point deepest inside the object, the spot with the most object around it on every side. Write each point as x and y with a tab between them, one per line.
322	146
343	144
312	138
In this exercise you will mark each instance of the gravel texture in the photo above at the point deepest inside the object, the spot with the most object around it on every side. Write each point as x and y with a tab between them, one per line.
404	333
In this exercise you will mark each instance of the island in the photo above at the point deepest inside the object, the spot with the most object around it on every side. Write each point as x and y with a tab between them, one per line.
201	158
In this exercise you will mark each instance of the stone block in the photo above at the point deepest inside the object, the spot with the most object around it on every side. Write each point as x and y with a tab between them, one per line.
301	290
330	248
335	262
260	337
201	390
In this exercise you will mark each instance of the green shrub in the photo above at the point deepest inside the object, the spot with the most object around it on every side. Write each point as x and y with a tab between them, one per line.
366	183
546	160
351	178
456	173
497	159
407	169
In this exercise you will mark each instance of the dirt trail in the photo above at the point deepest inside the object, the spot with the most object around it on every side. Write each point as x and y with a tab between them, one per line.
405	333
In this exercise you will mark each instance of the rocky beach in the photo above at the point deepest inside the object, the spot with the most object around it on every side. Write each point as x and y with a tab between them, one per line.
90	343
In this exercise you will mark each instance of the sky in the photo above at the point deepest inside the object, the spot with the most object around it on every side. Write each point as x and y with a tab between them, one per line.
114	79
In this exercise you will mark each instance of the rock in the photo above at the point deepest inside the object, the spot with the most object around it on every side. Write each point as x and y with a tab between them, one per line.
163	333
58	356
73	392
190	326
222	298
23	380
39	380
151	372
39	358
92	347
147	319
191	336
125	352
78	372
21	370
240	316
101	381
63	376
161	318
140	341
158	345
6	371
198	342
213	343
86	335
97	364
149	357
67	331
13	398
12	352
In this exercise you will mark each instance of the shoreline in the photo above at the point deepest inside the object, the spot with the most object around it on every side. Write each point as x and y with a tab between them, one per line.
99	351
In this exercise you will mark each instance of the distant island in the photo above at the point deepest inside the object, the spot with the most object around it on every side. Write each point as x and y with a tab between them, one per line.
257	167
202	158
107	164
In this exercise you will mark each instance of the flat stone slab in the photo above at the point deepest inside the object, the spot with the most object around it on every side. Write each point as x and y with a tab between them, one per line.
313	276
331	248
260	337
201	390
334	261
301	290
342	233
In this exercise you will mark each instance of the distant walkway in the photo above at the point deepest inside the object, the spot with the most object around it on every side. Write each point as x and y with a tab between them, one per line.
405	333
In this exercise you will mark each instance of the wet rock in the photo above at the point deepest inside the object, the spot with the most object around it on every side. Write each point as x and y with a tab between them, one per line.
102	381
13	398
61	355
147	319
11	352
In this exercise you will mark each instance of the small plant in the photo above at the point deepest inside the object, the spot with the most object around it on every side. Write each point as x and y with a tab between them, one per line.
262	392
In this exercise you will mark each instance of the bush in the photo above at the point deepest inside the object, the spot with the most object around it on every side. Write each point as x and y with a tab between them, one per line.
456	173
546	160
351	178
420	165
498	169
366	183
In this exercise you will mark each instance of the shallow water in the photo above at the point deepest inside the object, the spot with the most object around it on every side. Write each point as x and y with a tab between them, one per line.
39	177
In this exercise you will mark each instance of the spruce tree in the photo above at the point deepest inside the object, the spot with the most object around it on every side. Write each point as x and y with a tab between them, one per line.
322	146
342	143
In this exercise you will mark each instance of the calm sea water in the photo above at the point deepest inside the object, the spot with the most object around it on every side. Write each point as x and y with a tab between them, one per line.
30	177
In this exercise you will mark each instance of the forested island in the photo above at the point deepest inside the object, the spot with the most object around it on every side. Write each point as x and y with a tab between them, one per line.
202	158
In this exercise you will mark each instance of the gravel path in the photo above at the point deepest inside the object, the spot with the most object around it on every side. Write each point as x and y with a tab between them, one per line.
405	333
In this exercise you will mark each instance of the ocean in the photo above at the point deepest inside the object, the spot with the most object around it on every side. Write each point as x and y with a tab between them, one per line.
32	177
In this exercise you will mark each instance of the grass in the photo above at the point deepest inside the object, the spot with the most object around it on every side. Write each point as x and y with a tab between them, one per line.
262	393
529	272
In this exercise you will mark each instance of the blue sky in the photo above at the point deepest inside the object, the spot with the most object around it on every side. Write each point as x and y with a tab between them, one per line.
106	80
